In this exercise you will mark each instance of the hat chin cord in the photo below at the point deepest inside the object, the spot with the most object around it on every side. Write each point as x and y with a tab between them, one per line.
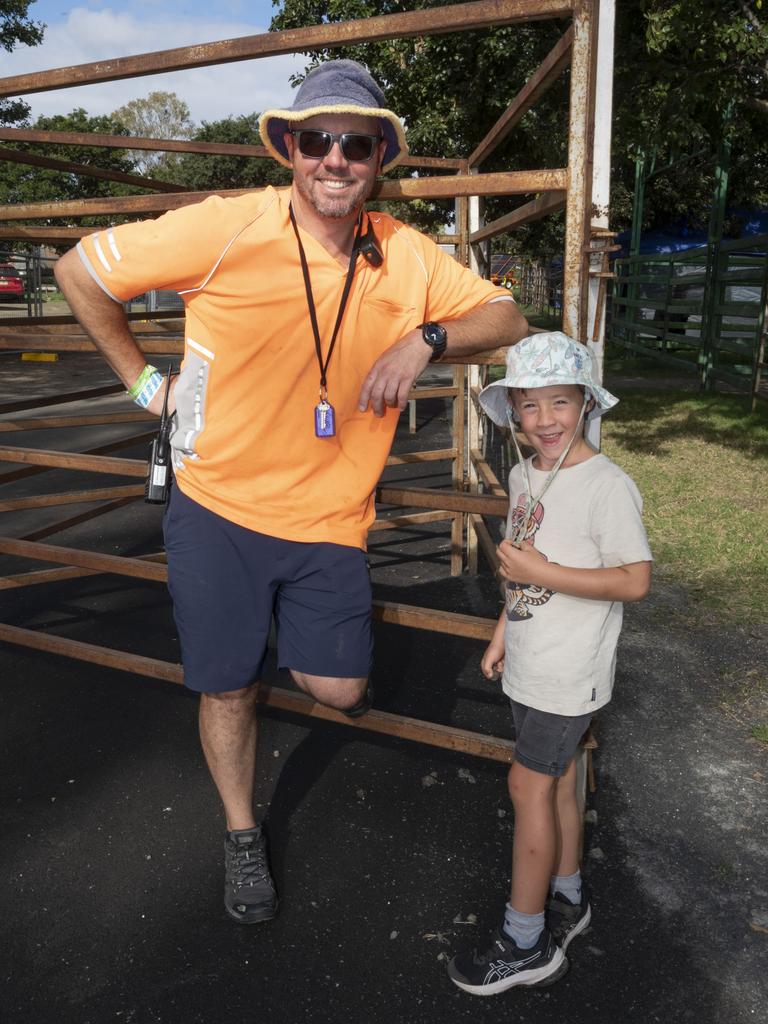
518	534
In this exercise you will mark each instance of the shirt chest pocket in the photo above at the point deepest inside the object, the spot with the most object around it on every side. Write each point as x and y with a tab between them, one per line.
381	322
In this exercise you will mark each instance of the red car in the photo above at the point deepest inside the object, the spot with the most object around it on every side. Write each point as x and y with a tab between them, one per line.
11	284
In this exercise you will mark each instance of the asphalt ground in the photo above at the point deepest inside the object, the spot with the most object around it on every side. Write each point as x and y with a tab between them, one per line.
389	855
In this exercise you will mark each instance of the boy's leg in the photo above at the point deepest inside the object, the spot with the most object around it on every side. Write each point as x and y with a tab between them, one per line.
568	910
535	839
524	952
568	823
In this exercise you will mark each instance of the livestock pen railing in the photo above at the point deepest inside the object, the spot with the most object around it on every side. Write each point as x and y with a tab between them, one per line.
703	310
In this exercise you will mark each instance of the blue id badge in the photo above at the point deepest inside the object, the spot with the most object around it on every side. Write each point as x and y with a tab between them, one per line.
325	422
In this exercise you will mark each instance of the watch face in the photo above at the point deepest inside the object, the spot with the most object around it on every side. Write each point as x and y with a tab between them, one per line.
434	333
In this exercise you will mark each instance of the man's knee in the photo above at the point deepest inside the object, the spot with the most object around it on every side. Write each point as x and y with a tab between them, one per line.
230	702
348	695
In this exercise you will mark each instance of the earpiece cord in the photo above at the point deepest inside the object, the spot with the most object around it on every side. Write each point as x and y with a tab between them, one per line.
530	501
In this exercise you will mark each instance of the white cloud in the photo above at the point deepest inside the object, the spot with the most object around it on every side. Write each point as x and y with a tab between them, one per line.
211	92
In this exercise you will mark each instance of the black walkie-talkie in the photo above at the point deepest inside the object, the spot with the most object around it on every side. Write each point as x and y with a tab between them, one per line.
158	482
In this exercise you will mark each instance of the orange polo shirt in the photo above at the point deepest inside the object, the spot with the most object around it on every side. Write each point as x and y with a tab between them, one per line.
244	445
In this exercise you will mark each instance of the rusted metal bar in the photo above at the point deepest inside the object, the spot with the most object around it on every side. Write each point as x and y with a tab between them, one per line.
150	346
55	422
439	455
458	470
103	449
447	391
448	501
39	576
540	81
51	321
16	156
71	497
486	474
444	736
471	626
432	21
82	517
580	166
486	542
101	141
414	519
179	146
119	564
76	460
146	325
61	399
444	186
541	206
42	236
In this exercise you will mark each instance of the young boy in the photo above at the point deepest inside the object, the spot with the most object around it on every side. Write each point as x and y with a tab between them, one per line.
575	549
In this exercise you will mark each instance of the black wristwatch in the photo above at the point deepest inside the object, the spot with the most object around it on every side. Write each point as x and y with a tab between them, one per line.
436	337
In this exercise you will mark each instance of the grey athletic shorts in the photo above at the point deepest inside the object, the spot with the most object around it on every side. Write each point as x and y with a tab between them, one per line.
546	743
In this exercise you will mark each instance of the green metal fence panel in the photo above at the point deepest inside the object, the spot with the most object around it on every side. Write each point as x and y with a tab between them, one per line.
705	309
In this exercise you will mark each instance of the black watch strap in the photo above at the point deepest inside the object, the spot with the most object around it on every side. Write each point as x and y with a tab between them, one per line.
436	336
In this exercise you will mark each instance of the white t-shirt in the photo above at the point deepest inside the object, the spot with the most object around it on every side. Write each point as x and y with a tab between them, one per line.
560	651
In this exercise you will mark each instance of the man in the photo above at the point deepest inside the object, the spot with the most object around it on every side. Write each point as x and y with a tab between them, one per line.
307	322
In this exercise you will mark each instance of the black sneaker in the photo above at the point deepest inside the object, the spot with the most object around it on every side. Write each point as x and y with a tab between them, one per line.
249	892
505	965
566	920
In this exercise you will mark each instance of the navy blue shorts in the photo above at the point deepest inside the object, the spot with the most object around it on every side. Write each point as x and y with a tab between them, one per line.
227	582
545	742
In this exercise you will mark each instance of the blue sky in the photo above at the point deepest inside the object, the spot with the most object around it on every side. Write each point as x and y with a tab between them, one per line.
94	30
258	12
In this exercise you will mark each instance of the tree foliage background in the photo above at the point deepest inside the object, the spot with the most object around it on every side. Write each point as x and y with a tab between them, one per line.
17	27
679	67
160	115
202	172
687	73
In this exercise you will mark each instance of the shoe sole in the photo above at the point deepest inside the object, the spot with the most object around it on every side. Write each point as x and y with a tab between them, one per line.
577	928
539	978
255	917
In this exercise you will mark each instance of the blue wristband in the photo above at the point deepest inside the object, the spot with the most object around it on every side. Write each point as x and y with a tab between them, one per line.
149	390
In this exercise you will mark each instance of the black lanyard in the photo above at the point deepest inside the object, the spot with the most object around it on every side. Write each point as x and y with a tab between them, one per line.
311	302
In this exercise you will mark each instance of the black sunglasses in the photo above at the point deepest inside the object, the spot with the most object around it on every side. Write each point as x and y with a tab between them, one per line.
355	147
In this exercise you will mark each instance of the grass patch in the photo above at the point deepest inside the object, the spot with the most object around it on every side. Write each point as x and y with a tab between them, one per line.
701	464
760	732
548	321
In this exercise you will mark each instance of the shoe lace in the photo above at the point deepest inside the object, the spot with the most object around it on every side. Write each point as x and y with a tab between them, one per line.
248	865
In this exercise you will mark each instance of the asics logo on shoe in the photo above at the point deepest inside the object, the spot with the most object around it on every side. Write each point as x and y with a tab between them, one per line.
504	968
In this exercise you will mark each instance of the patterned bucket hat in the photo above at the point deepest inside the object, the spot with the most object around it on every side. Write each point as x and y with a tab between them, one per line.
539	361
335	87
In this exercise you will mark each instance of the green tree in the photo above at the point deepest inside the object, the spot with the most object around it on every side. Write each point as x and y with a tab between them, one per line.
22	183
679	67
161	115
203	172
17	27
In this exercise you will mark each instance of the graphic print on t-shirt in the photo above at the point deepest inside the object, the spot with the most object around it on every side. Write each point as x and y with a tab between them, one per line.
520	596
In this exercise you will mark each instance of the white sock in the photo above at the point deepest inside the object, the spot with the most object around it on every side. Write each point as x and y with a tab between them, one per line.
523	929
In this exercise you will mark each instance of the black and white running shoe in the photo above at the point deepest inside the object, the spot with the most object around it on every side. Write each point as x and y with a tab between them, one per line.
504	965
249	891
566	920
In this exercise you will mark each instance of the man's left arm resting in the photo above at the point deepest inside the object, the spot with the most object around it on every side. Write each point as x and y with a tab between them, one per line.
391	377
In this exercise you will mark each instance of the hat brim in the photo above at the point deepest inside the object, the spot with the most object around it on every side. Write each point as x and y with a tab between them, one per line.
273	125
493	399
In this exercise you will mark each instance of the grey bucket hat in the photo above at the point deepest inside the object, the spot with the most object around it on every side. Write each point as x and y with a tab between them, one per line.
335	87
540	360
